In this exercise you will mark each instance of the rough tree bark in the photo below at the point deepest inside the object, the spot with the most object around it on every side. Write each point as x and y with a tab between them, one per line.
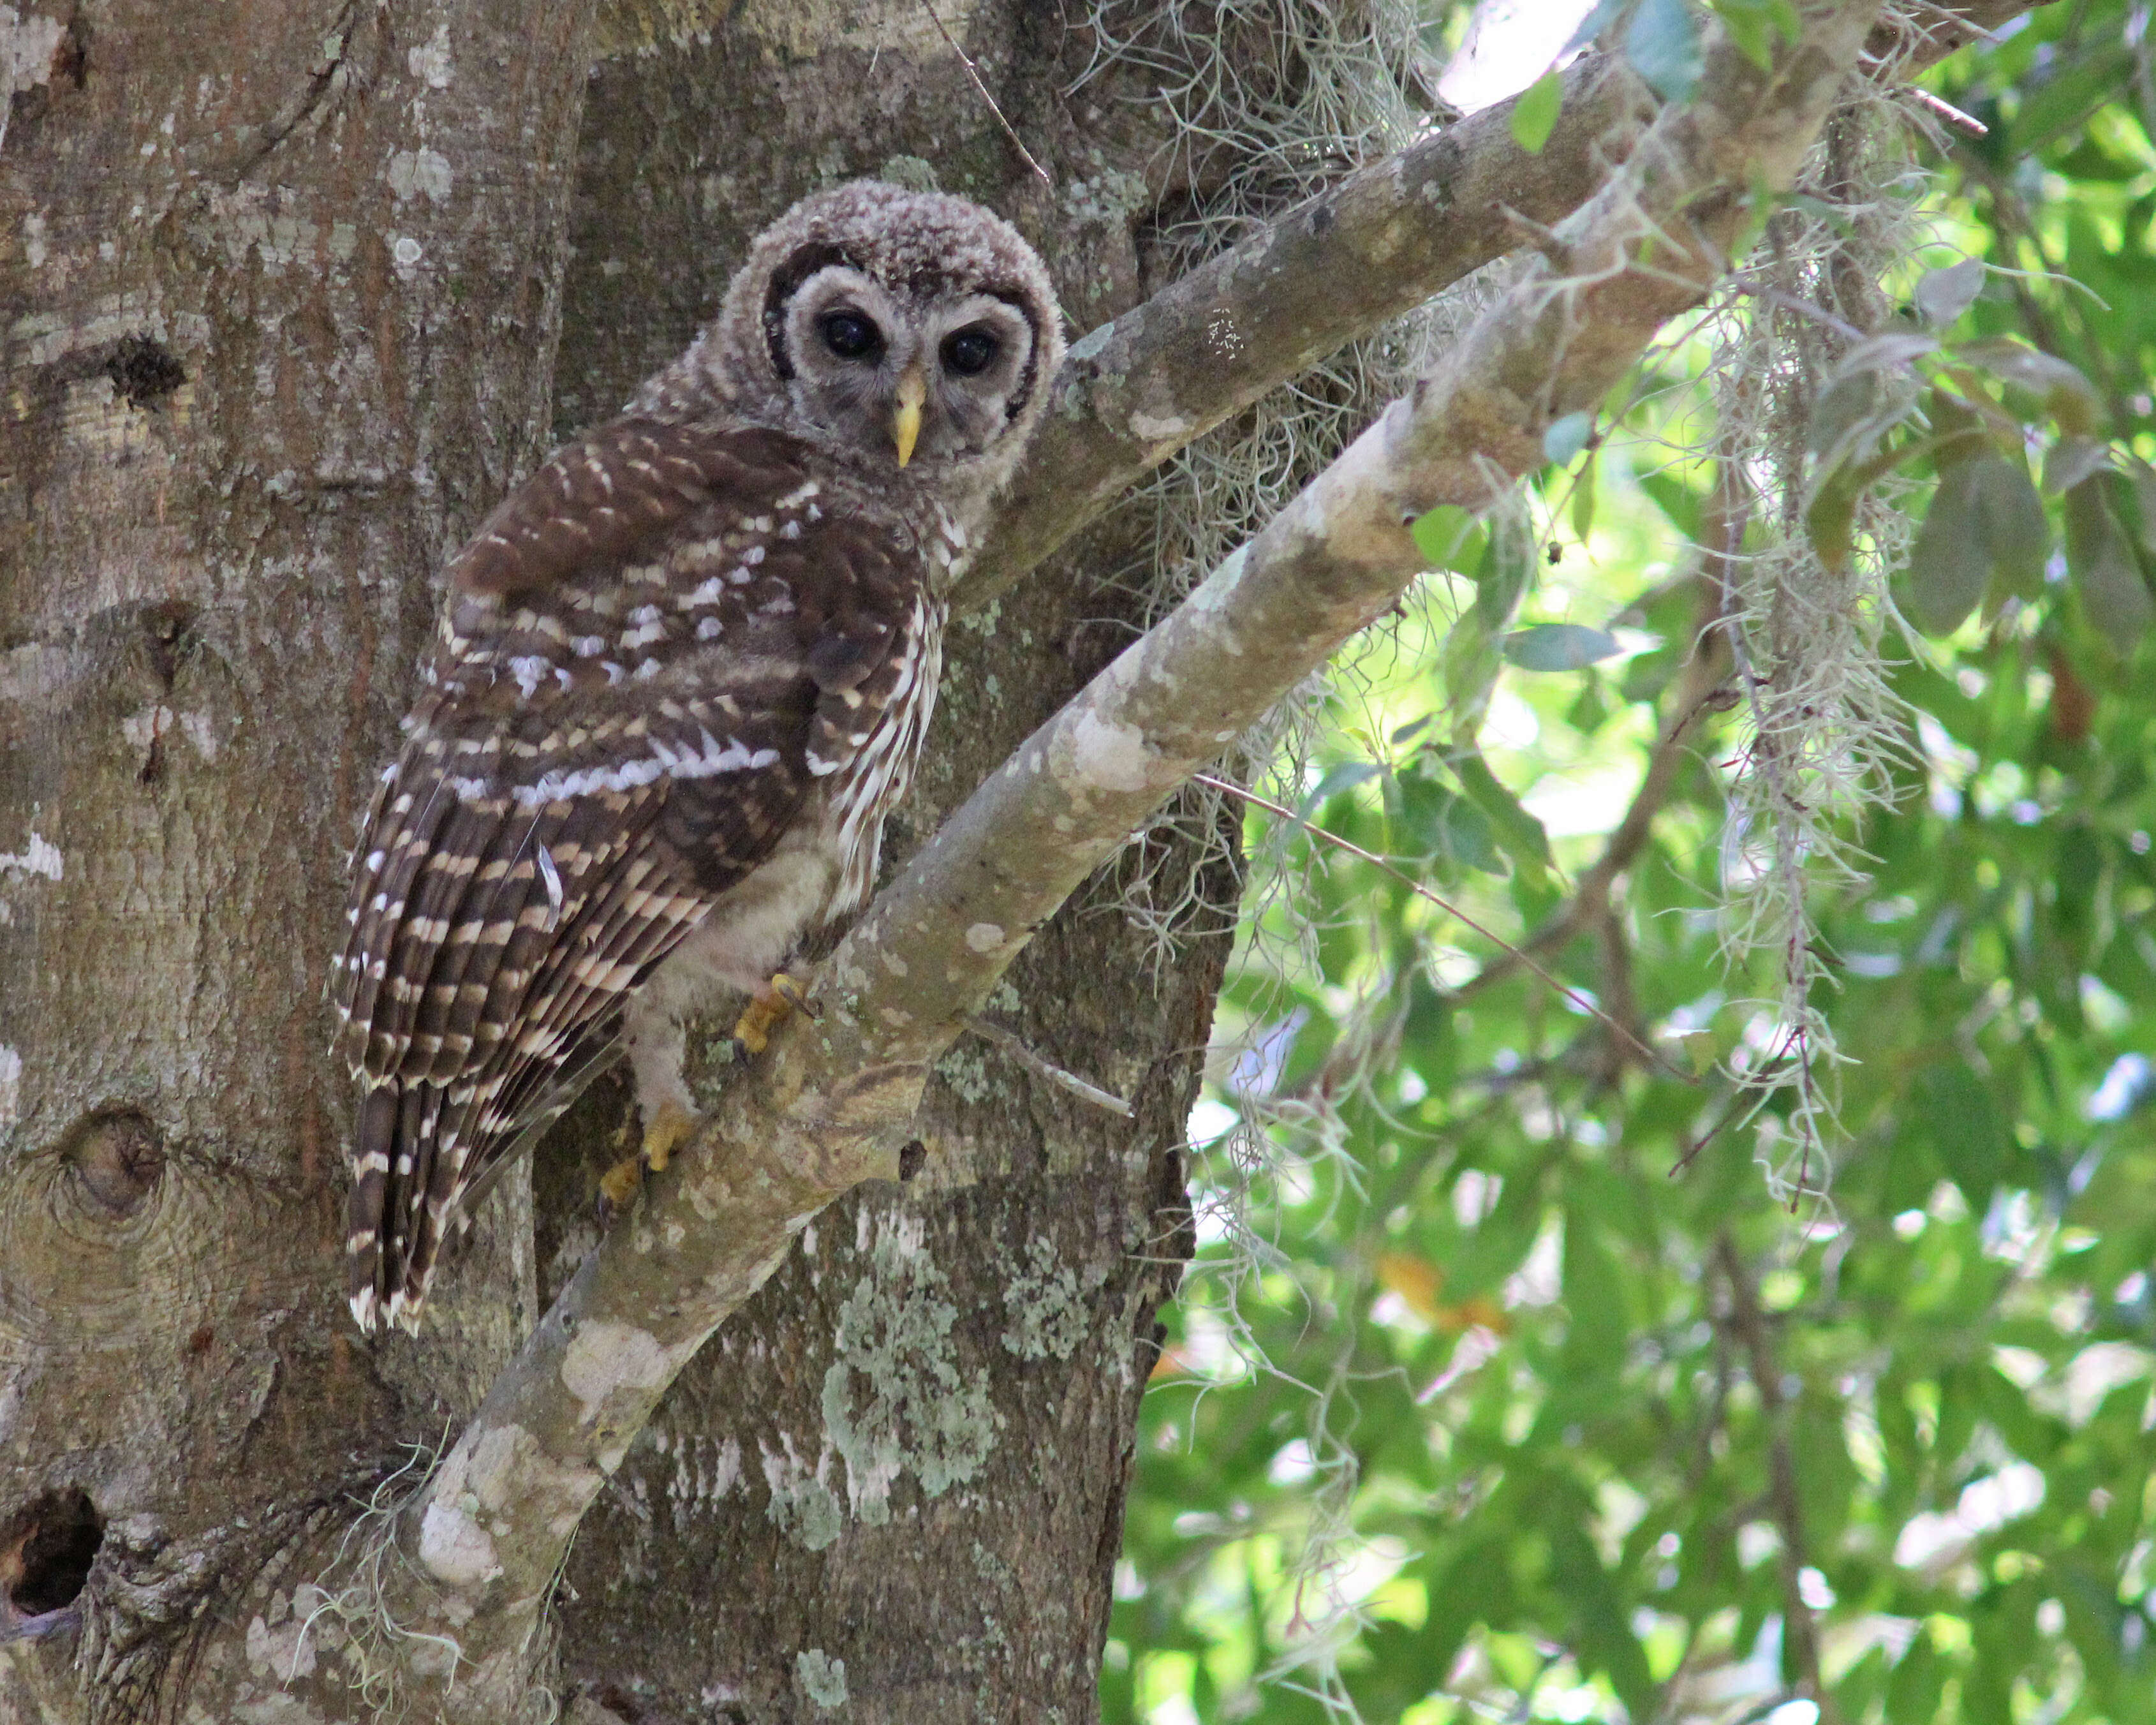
279	298
279	288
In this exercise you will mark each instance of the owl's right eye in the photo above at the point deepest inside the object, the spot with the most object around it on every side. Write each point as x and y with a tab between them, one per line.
850	336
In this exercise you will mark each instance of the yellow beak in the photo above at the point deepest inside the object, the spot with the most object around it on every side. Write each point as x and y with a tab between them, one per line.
906	421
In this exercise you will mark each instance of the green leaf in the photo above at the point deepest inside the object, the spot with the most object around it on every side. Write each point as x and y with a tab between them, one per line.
1559	647
1451	537
2144	478
1521	835
1567	437
2114	597
1664	47
1534	113
2012	521
1508	566
1604	14
1950	564
2071	460
1914	1690
1956	1108
1341	776
1583	503
1753	25
2066	391
1675	500
1844	407
1943	295
1437	822
1819	210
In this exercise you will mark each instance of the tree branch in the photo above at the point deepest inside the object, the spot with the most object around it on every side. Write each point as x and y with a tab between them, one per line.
1340	266
827	1108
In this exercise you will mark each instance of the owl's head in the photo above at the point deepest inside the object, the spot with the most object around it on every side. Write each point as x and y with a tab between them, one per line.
897	331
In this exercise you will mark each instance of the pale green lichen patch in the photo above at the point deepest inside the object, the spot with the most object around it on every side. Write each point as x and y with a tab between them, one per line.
895	1400
801	1506
822	1678
965	1069
1046	1304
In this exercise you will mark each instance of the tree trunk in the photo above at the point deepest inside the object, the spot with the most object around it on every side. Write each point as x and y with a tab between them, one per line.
279	288
896	1476
282	303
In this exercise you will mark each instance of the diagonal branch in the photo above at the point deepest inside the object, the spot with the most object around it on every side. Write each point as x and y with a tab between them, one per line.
828	1105
1338	267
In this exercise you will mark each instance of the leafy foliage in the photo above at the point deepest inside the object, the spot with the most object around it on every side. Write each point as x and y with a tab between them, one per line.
1521	1398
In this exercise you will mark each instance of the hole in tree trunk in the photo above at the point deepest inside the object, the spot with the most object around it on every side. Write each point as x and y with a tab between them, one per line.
143	371
47	1550
119	1158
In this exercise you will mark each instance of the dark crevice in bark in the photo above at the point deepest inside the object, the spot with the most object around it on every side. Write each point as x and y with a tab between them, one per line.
46	1550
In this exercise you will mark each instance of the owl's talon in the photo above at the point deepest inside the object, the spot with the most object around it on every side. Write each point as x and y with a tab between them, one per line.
664	1133
768	1009
618	1186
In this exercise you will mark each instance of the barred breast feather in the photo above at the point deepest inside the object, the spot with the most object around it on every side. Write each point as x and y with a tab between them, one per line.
671	649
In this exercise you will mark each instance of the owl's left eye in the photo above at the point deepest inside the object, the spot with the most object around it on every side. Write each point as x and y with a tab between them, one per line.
969	353
851	335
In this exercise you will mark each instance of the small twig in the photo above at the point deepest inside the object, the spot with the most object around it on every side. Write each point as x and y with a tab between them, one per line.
1749	1094
1747	281
1946	112
1451	910
1033	1063
1748	1321
1545	239
974	72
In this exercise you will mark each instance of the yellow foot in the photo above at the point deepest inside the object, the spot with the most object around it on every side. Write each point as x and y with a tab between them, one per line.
768	1009
664	1133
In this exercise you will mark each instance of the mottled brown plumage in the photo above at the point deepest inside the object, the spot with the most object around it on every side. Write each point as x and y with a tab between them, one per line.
685	672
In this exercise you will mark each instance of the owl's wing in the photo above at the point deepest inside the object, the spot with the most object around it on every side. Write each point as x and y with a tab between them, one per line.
652	651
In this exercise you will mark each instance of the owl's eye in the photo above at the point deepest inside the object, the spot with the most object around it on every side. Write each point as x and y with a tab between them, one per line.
969	353
850	336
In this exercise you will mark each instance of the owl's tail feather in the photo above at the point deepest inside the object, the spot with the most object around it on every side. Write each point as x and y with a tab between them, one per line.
393	1231
373	1139
425	1157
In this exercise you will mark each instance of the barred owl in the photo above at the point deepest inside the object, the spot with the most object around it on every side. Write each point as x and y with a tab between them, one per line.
683	675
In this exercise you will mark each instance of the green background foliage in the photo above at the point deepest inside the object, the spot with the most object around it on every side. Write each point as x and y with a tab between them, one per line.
1521	1397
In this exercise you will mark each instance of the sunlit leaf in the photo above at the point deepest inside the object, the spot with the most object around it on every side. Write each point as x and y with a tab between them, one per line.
1341	776
1943	295
1450	537
1663	44
1583	503
1535	112
1559	647
1567	437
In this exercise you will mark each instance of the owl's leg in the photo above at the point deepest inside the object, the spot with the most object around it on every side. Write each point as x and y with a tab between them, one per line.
656	1046
769	1007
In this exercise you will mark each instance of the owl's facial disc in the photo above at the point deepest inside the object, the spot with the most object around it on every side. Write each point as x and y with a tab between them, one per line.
925	376
977	353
